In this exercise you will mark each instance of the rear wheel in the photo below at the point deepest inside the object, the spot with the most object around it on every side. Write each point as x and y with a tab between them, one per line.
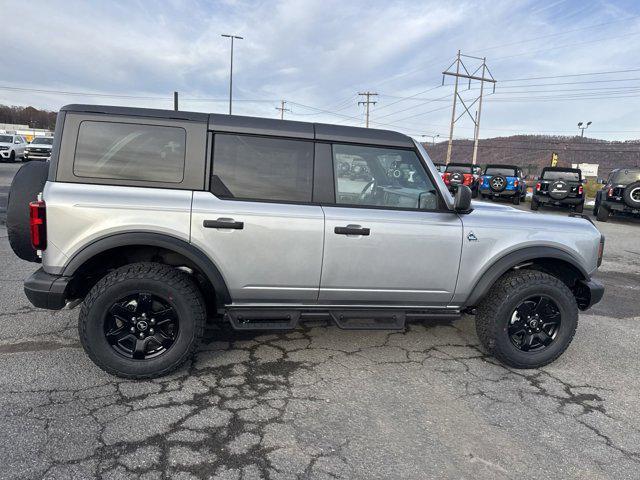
528	319
534	203
603	213
579	208
516	200
142	320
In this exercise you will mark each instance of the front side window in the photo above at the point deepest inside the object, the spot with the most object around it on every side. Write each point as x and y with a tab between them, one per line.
381	177
129	151
261	168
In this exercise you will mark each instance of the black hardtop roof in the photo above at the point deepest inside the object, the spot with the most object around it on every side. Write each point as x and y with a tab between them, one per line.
460	164
497	165
562	169
632	169
260	126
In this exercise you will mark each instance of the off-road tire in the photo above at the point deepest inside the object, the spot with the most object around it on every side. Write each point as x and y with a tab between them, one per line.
534	203
170	283
579	208
494	313
603	213
12	157
516	200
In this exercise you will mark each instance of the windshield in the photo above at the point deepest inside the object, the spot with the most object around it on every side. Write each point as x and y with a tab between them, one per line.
505	172
6	138
459	168
626	176
560	175
42	141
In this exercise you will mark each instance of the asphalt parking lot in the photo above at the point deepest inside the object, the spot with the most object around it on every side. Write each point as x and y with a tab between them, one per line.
321	403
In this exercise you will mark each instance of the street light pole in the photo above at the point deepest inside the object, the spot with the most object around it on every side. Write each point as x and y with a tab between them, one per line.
582	129
232	37
433	139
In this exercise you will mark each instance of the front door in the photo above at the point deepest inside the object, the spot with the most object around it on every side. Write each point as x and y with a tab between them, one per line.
386	240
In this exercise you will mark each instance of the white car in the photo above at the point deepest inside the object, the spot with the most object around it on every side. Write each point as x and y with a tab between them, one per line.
12	146
39	149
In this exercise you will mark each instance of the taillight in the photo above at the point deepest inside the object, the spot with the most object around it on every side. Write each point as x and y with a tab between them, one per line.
580	190
538	186
610	192
600	250
38	224
445	177
468	179
516	183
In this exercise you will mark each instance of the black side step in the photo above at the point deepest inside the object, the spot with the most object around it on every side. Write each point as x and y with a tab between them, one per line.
247	319
369	319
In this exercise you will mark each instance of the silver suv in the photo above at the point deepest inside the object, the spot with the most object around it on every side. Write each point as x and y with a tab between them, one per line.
157	221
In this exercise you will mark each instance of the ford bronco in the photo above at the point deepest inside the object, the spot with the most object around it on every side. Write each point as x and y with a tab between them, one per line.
560	187
156	221
506	181
620	194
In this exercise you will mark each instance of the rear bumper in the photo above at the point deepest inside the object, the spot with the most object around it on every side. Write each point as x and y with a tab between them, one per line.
589	293
619	207
503	193
564	201
47	291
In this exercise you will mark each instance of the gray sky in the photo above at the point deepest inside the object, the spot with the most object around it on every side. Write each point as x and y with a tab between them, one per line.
318	54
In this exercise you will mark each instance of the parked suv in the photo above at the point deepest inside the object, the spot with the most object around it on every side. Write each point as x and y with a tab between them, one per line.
456	174
621	194
503	181
38	149
12	146
155	221
561	187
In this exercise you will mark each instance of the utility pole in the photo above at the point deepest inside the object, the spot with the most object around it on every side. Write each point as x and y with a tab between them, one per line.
175	101
463	72
582	129
433	138
367	102
232	37
282	109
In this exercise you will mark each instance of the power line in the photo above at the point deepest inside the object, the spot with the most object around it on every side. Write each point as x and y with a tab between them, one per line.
571	75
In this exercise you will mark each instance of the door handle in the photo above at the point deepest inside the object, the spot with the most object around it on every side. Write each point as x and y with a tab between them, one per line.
223	223
351	230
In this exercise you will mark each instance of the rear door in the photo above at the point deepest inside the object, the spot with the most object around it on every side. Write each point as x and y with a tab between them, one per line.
387	240
257	222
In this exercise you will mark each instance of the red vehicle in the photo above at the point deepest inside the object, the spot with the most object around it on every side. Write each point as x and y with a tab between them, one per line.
462	174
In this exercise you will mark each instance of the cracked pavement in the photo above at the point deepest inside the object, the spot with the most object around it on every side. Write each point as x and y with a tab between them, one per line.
322	403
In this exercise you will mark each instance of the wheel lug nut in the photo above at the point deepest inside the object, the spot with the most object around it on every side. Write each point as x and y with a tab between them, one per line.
151	331
141	335
152	321
133	329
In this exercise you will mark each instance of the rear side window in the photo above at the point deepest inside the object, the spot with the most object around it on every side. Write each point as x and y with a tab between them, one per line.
260	168
129	151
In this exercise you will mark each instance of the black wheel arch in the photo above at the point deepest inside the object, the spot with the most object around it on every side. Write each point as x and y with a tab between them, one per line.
552	260
131	241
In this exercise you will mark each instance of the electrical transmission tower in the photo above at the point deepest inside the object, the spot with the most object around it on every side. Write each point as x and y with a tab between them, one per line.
367	102
481	74
282	109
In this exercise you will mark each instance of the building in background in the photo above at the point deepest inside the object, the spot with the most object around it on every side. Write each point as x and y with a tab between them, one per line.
25	130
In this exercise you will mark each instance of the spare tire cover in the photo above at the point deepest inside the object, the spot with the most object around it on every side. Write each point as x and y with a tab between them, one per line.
631	195
498	183
456	178
559	190
27	183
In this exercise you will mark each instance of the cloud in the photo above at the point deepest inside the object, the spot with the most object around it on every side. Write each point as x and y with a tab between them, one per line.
320	53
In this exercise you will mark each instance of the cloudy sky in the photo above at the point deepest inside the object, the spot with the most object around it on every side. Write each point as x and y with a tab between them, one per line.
317	55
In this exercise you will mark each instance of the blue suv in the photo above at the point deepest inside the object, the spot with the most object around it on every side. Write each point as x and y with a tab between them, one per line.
503	181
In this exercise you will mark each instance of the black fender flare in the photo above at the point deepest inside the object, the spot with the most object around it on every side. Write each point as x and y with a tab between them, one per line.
177	245
513	259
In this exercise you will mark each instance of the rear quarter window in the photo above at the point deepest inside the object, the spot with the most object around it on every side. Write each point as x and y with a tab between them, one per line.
128	151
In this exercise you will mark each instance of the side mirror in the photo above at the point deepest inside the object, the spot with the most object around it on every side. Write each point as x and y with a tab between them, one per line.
462	203
17	142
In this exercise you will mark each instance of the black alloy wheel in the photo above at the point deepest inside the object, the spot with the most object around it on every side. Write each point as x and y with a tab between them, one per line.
141	326
534	324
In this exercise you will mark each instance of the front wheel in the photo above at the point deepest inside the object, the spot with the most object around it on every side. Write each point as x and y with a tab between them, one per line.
142	320
528	319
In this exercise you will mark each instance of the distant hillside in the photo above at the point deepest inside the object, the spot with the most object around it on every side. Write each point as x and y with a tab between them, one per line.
28	116
533	152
